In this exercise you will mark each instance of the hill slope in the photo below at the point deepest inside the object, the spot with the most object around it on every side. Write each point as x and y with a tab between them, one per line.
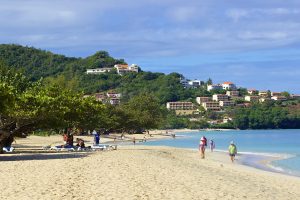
70	72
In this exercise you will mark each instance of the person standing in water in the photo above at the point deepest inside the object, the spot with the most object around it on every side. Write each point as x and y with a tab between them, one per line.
232	151
211	145
202	145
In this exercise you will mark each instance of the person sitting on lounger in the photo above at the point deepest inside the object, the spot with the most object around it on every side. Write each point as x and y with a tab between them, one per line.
80	143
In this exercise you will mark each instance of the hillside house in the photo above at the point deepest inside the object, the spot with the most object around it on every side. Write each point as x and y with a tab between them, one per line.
98	70
276	94
184	82
226	103
195	83
180	106
228	86
211	105
214	87
233	93
124	68
252	91
220	97
201	100
264	99
252	98
263	93
279	98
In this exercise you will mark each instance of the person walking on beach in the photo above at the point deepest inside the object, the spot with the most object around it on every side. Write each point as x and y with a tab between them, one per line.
211	145
202	145
232	151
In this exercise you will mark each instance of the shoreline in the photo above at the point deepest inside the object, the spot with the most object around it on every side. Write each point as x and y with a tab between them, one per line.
264	162
260	161
257	160
136	172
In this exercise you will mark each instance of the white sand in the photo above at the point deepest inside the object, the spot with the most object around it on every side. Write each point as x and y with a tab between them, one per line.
138	172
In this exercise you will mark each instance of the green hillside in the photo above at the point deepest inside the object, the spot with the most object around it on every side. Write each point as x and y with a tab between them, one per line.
70	72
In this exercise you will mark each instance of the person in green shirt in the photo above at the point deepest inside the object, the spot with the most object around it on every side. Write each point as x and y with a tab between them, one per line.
232	151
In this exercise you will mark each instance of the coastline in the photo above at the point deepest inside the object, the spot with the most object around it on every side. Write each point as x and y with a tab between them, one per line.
138	172
262	162
258	161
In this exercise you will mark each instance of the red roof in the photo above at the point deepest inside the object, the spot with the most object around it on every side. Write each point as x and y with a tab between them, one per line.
228	83
122	65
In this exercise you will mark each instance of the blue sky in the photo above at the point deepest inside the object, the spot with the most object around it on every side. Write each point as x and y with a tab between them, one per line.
252	43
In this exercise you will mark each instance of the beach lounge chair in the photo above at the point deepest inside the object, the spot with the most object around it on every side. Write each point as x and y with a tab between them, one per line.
62	148
104	147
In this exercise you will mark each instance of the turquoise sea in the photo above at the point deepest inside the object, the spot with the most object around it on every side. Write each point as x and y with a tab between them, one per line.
253	145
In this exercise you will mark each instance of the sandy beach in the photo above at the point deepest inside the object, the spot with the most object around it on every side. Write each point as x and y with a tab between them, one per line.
135	172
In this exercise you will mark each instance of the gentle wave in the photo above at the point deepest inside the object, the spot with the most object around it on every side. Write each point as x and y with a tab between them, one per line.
273	155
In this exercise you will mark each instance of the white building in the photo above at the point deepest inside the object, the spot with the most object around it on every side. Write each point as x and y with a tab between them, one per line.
276	94
220	97
114	101
226	103
263	93
195	83
233	93
227	119
180	106
252	91
211	105
228	86
124	68
201	100
295	96
252	98
214	87
98	70
264	99
184	82
279	98
113	95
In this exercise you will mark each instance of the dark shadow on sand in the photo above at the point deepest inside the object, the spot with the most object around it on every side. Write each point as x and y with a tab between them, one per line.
44	156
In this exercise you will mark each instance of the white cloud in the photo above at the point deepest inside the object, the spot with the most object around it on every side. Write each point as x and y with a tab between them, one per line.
150	27
236	14
257	35
183	14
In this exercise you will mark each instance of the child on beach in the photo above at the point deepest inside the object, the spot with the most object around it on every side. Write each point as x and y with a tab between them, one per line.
202	145
232	151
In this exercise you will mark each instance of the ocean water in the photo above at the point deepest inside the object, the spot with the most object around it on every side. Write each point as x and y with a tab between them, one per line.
254	145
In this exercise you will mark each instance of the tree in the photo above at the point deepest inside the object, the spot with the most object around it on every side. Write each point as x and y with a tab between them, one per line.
144	112
27	106
286	94
209	82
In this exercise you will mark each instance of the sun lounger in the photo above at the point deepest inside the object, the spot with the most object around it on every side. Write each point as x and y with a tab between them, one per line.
60	148
104	147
